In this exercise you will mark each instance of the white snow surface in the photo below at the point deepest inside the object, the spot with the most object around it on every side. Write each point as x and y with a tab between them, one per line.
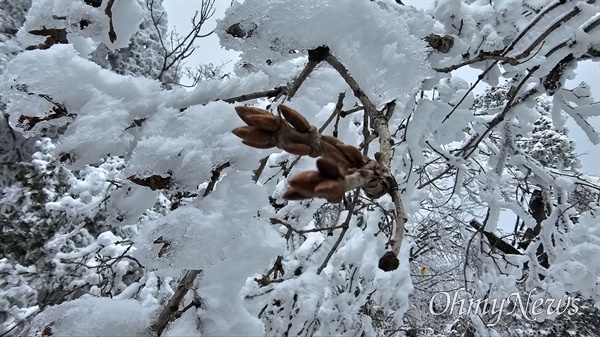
368	32
95	316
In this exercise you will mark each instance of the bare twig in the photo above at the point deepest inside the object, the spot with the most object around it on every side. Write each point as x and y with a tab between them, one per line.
336	112
481	57
400	220
548	31
295	85
260	94
512	101
532	24
345	227
259	170
303	231
216	174
181	47
112	35
273	275
351	111
358	92
172	307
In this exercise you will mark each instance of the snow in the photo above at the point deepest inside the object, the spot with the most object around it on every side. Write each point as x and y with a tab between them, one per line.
199	234
309	25
110	318
127	15
119	126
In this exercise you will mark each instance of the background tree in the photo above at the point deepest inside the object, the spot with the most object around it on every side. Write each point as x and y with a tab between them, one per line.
52	215
14	148
154	52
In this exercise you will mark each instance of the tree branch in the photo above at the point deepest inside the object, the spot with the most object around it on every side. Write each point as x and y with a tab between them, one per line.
172	307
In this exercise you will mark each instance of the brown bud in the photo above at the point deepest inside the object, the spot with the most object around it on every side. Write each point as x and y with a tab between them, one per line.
332	152
331	140
294	118
258	145
266	122
353	154
329	168
253	134
297	149
245	111
306	181
389	262
293	194
331	190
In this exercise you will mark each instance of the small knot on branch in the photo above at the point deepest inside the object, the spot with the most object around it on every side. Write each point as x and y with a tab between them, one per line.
318	54
389	261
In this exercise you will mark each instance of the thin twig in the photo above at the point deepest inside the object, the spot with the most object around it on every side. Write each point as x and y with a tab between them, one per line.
111	29
216	174
303	231
548	31
336	111
345	227
356	89
379	122
512	101
172	306
259	94
259	170
295	85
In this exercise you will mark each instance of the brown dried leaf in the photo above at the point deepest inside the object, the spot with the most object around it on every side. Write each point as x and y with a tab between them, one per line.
93	3
160	239
164	249
155	182
47	331
112	36
389	262
53	36
294	118
67	156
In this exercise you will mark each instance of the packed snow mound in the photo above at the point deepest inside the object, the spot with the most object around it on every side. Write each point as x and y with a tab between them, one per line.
110	318
198	235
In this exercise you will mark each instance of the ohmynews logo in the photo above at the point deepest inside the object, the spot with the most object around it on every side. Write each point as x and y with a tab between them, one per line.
514	303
